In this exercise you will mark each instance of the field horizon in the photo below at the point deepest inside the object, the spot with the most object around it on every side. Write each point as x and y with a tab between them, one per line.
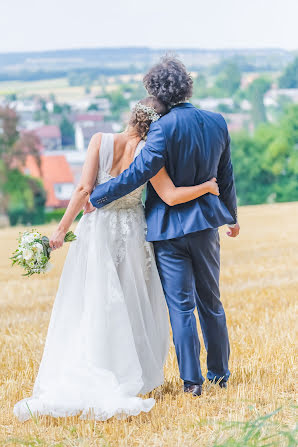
259	284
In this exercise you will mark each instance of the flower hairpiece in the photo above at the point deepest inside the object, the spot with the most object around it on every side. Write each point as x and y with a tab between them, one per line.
150	111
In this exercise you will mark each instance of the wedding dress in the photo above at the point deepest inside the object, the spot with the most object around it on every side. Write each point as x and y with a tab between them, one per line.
108	335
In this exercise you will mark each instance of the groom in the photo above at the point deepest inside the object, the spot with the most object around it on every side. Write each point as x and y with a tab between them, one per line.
194	146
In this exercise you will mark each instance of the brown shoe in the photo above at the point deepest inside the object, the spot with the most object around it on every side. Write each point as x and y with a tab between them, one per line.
195	390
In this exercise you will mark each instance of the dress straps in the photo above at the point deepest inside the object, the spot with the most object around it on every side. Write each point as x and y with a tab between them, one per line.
106	152
139	148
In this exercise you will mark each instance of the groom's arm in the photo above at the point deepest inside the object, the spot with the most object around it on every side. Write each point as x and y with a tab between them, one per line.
225	179
145	166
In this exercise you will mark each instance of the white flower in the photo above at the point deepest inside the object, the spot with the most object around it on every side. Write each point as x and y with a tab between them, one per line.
27	254
38	246
38	258
28	238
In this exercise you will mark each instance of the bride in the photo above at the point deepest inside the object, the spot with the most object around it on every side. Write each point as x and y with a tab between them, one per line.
108	335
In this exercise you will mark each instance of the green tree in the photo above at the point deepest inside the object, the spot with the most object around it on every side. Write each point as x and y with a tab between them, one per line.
255	92
58	108
15	147
289	79
22	198
25	198
67	132
92	107
229	79
118	103
200	87
266	164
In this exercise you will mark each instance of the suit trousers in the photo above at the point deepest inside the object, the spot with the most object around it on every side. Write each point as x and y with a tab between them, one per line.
189	269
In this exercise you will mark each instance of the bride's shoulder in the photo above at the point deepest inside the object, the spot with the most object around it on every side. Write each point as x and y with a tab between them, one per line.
95	139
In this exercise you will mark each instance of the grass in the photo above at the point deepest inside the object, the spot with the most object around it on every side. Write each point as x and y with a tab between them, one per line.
59	87
259	285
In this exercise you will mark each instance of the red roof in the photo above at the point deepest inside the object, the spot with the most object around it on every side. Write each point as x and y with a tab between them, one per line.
54	169
48	132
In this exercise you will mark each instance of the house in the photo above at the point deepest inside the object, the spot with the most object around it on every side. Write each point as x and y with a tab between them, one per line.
89	118
50	137
57	177
79	104
26	110
85	130
75	160
103	105
273	96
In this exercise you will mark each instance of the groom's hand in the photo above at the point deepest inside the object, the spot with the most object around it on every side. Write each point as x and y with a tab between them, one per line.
88	208
234	231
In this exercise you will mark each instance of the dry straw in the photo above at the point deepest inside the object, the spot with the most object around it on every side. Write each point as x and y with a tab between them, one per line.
259	284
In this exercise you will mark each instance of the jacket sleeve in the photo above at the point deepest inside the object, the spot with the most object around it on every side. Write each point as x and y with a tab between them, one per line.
145	166
225	179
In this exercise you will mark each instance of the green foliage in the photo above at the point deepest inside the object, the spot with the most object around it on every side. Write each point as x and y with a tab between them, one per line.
283	102
224	108
289	79
22	197
266	164
229	79
118	103
255	92
136	91
26	198
67	132
92	107
56	215
260	432
225	84
201	89
58	109
11	97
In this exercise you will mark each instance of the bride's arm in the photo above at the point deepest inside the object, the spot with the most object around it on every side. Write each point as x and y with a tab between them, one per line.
173	195
81	193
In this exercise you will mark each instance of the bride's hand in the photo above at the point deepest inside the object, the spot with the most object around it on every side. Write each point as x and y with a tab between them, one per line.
213	186
57	239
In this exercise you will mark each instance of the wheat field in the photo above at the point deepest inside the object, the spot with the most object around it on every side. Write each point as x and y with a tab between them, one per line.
259	284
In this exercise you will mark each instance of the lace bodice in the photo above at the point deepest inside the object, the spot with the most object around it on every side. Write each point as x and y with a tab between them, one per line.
132	200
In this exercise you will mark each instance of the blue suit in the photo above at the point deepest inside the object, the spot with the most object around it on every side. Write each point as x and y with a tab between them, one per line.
194	146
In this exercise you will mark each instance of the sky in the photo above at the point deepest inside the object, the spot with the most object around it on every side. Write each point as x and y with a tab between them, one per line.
34	25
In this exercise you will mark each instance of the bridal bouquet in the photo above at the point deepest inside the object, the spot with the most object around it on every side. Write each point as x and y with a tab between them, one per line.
33	252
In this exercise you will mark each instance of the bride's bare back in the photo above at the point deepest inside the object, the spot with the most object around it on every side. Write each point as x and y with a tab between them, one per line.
124	152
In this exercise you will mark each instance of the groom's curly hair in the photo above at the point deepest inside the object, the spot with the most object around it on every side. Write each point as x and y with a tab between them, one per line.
169	81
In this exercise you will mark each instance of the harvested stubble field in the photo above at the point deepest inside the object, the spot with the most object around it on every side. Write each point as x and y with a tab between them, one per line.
259	284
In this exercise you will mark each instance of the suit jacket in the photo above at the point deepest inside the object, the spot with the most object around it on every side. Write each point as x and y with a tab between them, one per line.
194	146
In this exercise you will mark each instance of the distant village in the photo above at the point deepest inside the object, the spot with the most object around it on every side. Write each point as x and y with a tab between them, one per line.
61	158
64	126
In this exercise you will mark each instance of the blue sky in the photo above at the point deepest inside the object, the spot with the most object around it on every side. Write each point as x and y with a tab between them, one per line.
27	25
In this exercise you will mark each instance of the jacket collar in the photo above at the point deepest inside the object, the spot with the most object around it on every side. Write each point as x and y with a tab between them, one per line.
183	105
186	105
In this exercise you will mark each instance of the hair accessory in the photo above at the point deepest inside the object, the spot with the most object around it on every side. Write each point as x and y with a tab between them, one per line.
150	111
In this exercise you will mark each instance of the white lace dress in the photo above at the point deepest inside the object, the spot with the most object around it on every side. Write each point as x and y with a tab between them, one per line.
108	335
